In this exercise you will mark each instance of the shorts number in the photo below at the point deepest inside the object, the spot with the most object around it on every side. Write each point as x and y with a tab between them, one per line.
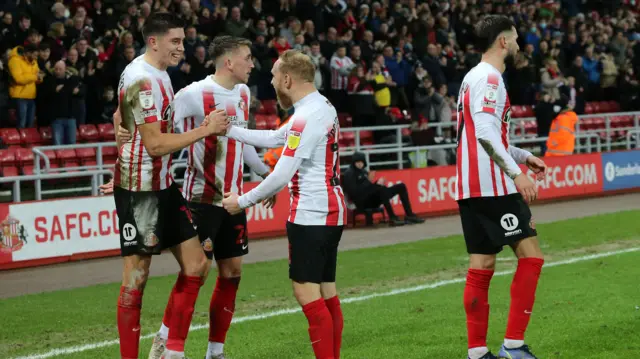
508	221
240	237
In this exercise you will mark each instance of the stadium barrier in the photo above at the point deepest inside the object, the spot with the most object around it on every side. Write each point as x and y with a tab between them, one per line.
43	232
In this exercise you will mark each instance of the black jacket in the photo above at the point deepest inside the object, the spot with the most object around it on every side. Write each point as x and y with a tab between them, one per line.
355	182
62	103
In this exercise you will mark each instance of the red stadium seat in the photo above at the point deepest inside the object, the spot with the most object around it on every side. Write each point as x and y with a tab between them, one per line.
347	139
614	106
261	121
86	155
88	133
67	158
599	122
10	136
47	135
268	107
604	106
366	138
8	163
24	156
272	122
528	111
109	152
588	108
30	137
516	111
345	120
106	131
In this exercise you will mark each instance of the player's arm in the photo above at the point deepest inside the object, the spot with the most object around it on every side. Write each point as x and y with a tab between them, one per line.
139	97
259	138
253	160
488	100
117	119
519	155
273	183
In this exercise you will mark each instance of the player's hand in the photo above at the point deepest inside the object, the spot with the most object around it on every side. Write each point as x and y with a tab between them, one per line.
107	188
537	166
123	135
269	202
216	123
526	187
230	203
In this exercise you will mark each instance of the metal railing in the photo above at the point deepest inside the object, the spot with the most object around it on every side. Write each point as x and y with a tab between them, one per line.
587	147
96	177
629	138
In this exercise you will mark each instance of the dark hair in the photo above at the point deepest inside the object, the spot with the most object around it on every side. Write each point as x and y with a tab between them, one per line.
159	23
223	44
30	48
488	30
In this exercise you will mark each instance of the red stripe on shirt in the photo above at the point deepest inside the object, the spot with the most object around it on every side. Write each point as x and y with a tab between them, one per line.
230	159
329	163
472	147
210	148
505	137
157	161
192	166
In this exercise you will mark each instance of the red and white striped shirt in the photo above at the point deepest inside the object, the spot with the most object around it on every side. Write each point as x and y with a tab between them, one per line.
145	96
484	111
215	164
340	68
311	138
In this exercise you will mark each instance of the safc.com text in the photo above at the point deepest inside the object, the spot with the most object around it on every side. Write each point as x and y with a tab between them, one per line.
74	225
567	176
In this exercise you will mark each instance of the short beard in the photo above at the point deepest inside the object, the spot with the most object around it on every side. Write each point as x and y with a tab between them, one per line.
510	61
283	100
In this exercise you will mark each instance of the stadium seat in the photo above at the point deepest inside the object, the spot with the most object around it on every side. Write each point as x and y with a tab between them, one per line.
261	121
605	107
88	133
614	106
599	122
528	111
8	163
596	107
366	138
272	122
588	108
67	158
107	132
30	137
347	139
10	136
87	156
47	135
109	152
268	107
24	161
345	120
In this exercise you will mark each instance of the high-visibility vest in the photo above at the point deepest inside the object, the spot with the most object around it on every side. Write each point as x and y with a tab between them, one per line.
562	136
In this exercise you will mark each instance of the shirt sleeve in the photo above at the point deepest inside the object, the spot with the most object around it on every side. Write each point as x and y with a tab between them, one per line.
488	134
252	159
259	138
140	98
183	109
489	96
281	175
519	155
302	138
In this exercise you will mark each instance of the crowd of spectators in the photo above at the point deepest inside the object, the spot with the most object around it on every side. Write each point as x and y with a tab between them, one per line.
382	61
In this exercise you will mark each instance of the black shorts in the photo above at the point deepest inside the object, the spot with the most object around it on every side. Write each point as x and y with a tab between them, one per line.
489	223
150	222
221	234
313	252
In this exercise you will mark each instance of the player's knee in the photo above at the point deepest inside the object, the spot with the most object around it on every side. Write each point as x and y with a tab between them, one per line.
196	266
481	261
328	290
136	278
233	272
306	292
230	268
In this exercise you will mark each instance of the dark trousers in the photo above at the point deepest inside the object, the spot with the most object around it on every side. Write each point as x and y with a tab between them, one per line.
383	196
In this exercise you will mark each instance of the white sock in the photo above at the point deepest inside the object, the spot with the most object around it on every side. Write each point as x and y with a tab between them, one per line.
164	332
477	353
513	344
214	349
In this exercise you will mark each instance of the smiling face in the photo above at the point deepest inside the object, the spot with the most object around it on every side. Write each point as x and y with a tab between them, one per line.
169	47
241	63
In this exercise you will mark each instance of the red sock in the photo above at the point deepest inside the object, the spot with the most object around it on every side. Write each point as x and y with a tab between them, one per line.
184	301
333	304
476	305
167	311
320	328
221	308
523	293
129	305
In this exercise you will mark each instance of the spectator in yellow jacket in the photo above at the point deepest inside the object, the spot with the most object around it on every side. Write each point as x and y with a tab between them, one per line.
24	76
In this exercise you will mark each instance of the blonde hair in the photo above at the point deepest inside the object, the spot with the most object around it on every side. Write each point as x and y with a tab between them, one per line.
297	64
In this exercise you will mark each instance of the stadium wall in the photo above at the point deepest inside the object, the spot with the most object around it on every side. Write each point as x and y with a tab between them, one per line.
45	232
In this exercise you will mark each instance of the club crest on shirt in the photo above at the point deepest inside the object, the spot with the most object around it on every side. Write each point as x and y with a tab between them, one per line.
241	105
146	99
293	140
507	115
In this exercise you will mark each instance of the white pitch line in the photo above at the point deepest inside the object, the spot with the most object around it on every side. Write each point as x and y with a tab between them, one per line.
277	313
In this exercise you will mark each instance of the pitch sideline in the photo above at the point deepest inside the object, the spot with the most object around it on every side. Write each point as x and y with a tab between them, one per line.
277	313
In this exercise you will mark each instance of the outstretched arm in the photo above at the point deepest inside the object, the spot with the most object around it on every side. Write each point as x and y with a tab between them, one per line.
259	138
281	175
